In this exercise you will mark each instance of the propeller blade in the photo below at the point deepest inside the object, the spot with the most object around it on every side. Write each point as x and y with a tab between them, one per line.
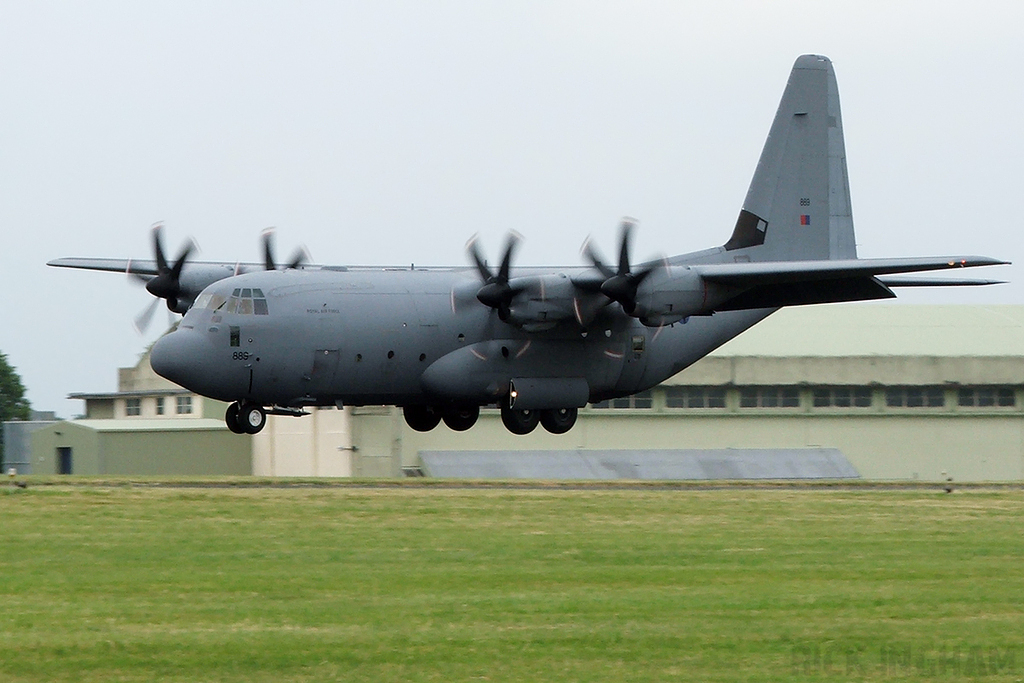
496	292
158	250
166	285
189	247
626	237
646	271
591	255
506	262
481	265
142	320
268	249
620	285
300	257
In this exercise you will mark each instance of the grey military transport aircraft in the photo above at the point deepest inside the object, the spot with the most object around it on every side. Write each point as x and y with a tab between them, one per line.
537	343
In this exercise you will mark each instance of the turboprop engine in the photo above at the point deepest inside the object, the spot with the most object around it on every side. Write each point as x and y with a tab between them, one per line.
672	293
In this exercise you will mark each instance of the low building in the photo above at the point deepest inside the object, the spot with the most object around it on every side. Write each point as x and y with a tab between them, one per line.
149	427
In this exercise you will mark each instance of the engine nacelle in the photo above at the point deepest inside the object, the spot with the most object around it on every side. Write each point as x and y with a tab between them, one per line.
674	293
541	302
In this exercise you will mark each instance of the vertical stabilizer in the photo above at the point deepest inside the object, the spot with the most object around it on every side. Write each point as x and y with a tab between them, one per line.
798	204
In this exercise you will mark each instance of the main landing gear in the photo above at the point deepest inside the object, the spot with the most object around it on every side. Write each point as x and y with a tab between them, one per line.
459	418
245	418
555	420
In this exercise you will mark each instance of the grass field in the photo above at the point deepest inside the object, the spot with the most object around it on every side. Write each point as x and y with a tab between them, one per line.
102	583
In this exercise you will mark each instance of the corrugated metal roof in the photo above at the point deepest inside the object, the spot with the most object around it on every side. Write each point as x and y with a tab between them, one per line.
144	393
643	464
835	330
132	424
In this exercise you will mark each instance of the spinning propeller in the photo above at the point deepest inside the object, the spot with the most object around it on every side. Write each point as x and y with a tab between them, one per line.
496	292
166	284
299	257
621	285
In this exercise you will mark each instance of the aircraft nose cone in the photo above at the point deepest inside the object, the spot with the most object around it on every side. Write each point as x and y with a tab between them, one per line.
179	356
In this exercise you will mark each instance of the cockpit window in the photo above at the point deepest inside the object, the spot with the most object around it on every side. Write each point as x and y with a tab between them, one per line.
242	302
203	301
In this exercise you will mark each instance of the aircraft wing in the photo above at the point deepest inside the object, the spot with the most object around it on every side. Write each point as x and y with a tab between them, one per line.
112	265
772	284
147	267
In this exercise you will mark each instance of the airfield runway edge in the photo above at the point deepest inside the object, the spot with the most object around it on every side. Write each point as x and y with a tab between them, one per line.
519	484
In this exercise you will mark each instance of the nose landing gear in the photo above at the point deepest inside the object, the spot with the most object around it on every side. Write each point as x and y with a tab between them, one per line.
245	418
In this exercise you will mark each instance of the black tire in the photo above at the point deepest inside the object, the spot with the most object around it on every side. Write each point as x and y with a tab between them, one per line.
421	418
462	417
252	418
232	421
558	420
519	421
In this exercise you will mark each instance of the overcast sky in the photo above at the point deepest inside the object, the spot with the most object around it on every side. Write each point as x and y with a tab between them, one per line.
390	132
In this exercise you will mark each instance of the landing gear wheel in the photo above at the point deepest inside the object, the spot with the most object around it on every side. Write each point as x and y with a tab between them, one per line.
232	421
558	420
252	418
461	417
421	418
519	421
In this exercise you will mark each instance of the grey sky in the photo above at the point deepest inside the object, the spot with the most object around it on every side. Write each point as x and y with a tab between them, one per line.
390	132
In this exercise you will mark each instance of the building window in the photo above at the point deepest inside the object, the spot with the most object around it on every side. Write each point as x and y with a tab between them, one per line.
159	405
842	397
915	397
642	400
133	406
695	397
769	397
986	397
184	405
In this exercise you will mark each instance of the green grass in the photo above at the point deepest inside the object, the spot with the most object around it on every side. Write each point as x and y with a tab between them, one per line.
108	583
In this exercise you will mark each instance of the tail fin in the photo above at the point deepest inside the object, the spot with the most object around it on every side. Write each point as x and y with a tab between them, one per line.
798	204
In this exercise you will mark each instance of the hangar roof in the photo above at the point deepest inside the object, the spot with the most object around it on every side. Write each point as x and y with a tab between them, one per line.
133	424
872	329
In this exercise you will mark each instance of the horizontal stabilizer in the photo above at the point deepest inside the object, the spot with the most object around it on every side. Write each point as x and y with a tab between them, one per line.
779	272
936	282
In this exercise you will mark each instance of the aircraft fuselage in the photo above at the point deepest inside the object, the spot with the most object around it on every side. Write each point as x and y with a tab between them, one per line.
410	337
